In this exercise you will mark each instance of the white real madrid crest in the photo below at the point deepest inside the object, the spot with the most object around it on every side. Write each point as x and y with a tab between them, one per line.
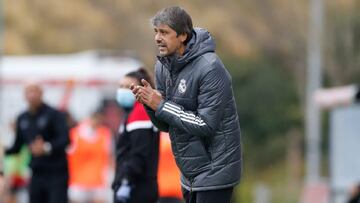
182	86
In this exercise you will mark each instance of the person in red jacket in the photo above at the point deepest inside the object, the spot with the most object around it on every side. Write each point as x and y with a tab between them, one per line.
137	148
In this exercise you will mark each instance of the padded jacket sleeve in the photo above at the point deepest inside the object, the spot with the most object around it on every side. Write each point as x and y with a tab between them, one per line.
161	125
214	91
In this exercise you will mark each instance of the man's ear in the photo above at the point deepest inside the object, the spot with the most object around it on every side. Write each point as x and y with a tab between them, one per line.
183	37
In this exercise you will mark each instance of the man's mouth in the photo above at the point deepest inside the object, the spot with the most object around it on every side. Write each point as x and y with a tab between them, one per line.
162	49
161	46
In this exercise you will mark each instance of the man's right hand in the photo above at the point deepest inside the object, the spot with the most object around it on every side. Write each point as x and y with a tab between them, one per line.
135	89
147	95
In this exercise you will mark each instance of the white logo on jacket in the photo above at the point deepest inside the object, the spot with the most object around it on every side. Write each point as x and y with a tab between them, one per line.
182	86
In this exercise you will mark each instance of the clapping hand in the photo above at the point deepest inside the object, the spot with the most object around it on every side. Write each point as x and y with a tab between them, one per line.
146	94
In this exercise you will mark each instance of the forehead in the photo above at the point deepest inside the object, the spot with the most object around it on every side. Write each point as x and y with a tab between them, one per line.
32	87
162	26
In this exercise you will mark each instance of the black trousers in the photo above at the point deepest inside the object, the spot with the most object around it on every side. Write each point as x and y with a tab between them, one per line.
169	200
48	188
143	192
210	196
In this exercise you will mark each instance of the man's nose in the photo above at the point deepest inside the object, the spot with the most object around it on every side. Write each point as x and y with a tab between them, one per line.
157	38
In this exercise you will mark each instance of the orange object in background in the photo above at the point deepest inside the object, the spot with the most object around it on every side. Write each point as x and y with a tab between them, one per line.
168	173
89	155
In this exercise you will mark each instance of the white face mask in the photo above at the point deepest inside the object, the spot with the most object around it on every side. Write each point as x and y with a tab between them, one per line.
125	98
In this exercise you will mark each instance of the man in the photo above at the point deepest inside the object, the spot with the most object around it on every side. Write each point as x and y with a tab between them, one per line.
194	102
43	129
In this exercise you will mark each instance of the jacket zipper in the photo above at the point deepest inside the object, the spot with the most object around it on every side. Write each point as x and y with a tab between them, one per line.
170	85
168	92
191	183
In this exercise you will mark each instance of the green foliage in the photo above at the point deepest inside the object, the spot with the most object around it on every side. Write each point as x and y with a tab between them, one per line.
268	107
342	38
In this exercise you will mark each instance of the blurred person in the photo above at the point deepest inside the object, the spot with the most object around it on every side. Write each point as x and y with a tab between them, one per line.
89	160
194	101
137	148
168	173
17	177
44	131
354	194
16	173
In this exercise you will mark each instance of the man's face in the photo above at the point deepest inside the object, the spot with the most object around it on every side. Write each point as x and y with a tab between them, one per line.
33	95
168	41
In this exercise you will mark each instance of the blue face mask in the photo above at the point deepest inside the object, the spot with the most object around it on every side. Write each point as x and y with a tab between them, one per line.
125	98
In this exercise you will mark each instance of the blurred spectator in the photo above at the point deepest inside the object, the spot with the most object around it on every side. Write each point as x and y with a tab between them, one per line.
337	96
137	148
355	194
43	129
16	172
89	160
168	173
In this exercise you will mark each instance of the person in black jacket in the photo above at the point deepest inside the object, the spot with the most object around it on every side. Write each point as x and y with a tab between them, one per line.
194	102
43	129
137	148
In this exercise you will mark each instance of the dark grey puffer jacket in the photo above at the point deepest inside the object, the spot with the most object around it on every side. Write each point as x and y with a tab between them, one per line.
199	112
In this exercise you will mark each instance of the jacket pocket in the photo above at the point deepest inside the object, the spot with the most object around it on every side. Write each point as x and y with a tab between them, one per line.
193	158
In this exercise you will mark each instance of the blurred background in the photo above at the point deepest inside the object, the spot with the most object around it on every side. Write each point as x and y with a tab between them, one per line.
279	53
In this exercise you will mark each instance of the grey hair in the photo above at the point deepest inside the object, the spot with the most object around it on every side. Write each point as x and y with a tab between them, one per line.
176	18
